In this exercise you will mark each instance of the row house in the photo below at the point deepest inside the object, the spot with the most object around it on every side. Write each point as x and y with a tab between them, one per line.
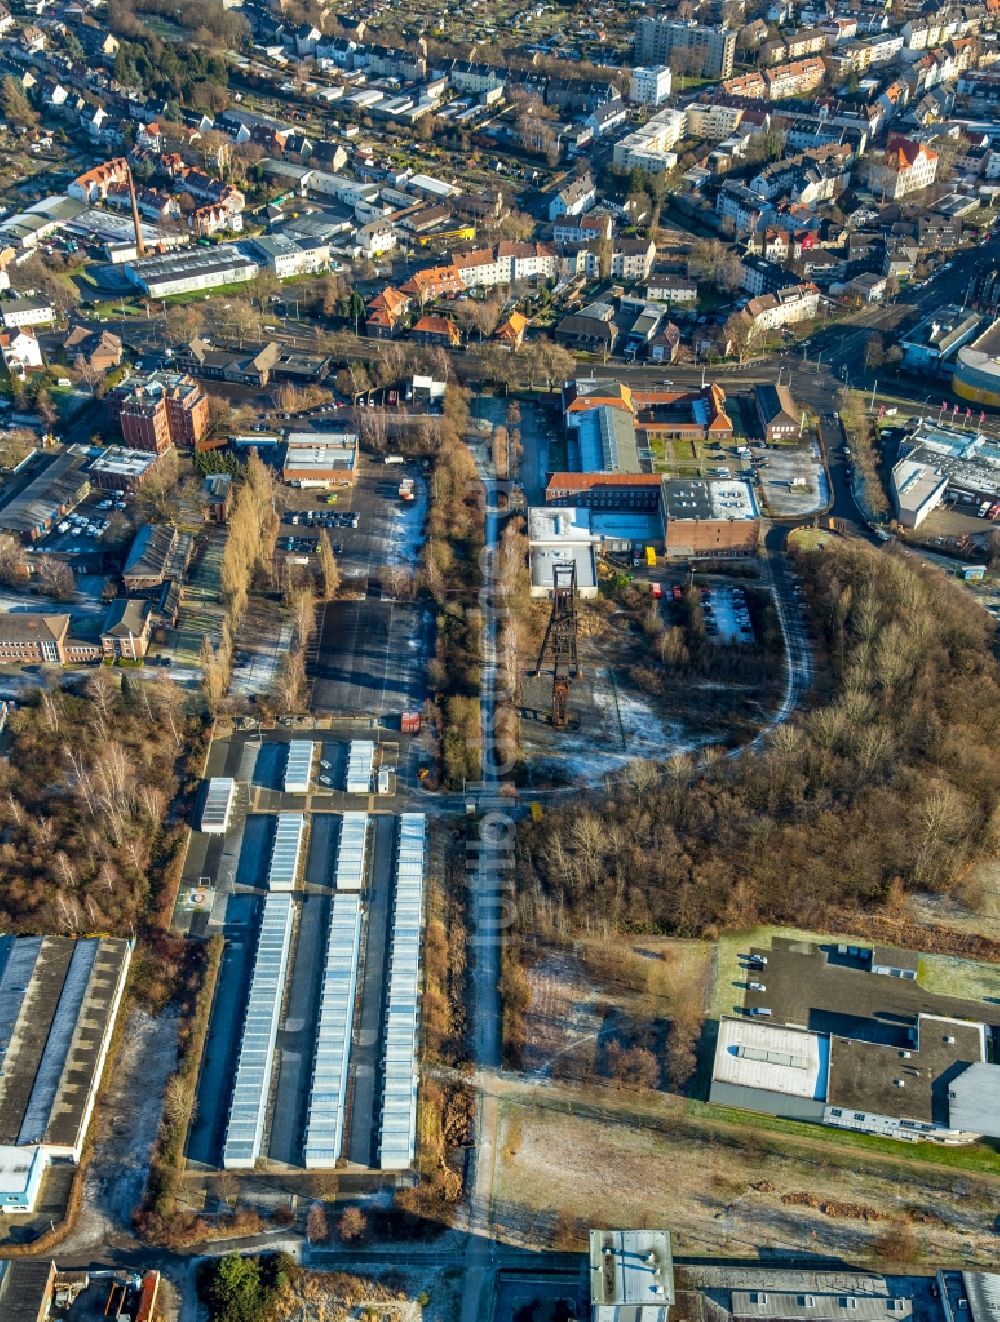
586	229
785	307
779	177
795	79
858	57
152	204
905	167
216	218
745	209
93	185
433	282
753	86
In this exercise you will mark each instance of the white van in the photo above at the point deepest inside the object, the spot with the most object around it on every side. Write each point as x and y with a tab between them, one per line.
394	459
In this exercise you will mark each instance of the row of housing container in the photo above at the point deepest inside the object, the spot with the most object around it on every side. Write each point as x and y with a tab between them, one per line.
298	766
286	851
360	764
252	1081
328	1091
397	1138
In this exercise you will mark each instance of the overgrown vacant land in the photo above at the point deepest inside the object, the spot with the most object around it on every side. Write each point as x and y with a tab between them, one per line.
726	1190
83	806
891	785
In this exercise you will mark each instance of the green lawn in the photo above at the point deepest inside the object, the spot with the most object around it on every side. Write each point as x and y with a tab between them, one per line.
972	1157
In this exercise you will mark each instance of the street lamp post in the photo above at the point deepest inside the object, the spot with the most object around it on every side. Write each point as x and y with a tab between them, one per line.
874	388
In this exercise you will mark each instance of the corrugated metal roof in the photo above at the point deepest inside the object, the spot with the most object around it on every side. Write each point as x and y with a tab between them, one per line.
399	1103
325	1123
285	851
298	766
218	804
252	1082
360	762
352	851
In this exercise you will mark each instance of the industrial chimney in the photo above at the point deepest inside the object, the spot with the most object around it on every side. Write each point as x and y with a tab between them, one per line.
140	249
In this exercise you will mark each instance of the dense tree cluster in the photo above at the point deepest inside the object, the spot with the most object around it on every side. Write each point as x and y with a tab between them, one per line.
892	783
83	800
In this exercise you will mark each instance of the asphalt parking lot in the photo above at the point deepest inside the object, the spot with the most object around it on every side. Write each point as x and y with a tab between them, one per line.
373	642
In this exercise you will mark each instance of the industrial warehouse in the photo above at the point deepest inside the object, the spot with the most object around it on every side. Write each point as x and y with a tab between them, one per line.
314	1042
846	1036
59	999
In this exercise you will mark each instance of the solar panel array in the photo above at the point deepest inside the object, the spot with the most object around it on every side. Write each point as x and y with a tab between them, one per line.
298	767
285	851
218	804
360	762
328	1093
252	1082
397	1142
350	874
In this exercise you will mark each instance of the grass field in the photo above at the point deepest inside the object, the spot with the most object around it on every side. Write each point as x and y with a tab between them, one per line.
979	1157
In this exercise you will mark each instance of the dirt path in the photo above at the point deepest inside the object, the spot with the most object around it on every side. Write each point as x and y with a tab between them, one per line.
129	1119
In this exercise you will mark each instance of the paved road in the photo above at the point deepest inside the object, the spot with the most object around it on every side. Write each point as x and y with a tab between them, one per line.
488	880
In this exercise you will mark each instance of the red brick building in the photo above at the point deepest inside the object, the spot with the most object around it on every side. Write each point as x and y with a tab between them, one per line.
162	410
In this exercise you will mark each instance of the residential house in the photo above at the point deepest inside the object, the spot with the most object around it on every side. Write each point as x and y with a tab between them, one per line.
437	331
664	346
93	185
386	313
597	226
777	413
216	497
593	327
675	290
18	312
785	307
126	629
574	198
376	239
433	282
633	259
511	333
21	351
744	208
99	351
606	117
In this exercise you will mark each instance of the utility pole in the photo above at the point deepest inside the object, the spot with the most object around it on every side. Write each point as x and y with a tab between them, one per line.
874	388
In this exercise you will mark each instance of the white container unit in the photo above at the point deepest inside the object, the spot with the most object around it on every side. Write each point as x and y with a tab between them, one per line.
298	766
360	764
286	851
352	852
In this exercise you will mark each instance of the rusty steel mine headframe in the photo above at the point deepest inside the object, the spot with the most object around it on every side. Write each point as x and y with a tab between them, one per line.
559	643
